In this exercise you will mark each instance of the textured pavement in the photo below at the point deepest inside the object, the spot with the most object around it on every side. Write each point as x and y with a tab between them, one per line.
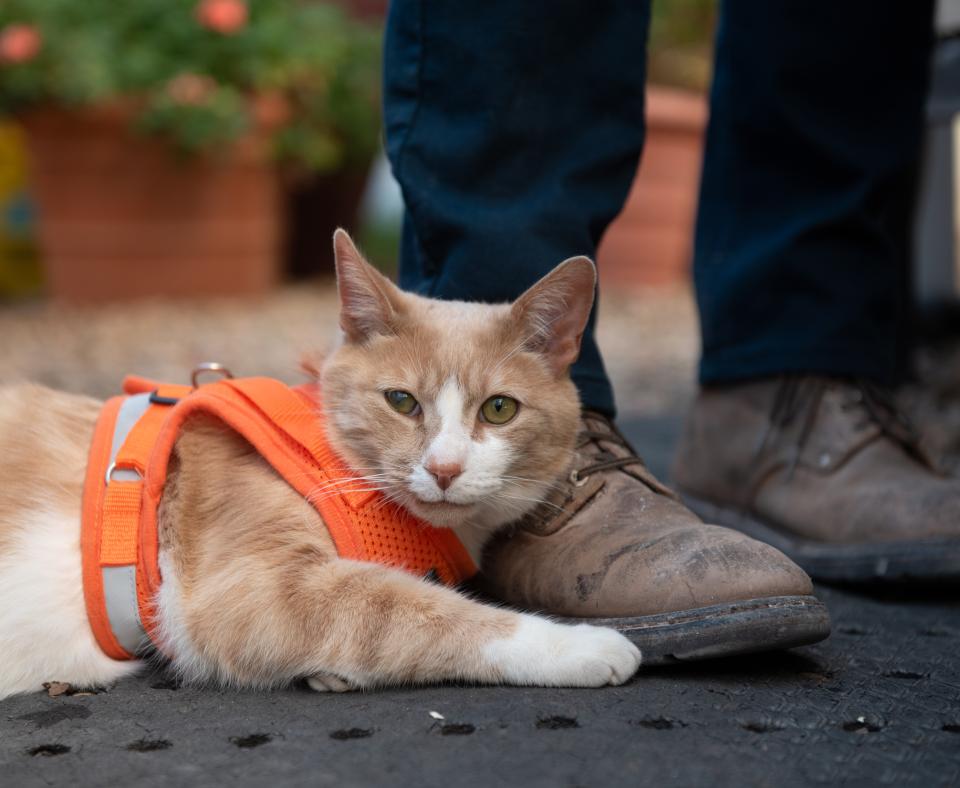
877	703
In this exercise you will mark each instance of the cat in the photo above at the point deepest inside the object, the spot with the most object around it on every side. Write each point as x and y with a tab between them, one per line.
462	412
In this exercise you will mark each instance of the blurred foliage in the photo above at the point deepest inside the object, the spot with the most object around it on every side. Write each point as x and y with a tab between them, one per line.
681	43
380	243
203	73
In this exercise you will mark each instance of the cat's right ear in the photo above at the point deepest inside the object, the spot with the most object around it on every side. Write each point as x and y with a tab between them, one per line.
366	307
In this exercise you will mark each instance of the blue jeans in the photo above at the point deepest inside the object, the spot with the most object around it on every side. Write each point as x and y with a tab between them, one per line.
515	128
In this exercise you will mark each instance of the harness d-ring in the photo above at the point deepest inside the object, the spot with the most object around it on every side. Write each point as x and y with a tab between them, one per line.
208	366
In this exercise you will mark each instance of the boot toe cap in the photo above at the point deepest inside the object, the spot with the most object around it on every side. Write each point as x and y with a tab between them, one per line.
696	567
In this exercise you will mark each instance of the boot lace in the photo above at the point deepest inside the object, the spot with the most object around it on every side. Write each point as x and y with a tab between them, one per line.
800	397
588	436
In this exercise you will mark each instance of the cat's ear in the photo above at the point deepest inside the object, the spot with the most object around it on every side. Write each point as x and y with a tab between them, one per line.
367	300
554	312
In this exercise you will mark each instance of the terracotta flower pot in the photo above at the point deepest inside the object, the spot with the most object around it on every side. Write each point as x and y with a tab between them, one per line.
651	241
122	215
315	208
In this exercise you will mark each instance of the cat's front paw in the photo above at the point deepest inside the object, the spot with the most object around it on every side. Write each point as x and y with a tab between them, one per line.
554	655
327	682
600	656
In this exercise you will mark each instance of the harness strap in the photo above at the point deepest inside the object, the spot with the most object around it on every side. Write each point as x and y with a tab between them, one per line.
127	471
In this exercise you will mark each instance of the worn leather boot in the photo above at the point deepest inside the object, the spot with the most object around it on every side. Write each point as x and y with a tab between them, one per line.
615	545
827	471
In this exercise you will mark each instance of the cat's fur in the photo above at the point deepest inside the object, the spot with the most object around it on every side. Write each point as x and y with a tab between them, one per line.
253	592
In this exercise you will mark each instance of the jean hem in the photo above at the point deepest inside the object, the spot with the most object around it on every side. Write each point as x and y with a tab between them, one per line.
846	363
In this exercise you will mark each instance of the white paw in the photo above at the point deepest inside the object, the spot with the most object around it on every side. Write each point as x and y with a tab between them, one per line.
327	682
602	656
554	655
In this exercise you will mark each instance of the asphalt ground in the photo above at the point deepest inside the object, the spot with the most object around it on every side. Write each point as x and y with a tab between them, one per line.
878	703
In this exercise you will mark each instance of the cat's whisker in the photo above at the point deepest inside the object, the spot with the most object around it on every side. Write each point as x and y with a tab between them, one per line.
299	475
341	483
351	480
532	500
545	487
514	508
516	480
381	466
391	497
360	477
333	493
348	481
383	469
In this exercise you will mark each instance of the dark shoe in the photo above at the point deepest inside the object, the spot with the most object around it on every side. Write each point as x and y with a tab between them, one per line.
615	545
828	472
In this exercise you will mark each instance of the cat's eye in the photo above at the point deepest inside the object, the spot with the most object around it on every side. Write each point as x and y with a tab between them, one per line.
402	402
499	409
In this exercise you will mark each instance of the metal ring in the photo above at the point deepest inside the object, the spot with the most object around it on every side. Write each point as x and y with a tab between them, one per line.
576	479
208	366
123	474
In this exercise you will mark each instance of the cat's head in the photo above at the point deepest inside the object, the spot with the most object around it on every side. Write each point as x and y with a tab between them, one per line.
462	412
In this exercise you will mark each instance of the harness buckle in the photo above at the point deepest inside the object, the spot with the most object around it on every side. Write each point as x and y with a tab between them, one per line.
156	399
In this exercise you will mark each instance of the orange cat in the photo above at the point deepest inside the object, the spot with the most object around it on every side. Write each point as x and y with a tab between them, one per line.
463	413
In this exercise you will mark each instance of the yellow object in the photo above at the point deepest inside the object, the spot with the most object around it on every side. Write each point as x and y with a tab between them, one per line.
19	270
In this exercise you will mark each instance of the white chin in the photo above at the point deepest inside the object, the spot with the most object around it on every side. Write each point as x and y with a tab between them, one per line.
442	513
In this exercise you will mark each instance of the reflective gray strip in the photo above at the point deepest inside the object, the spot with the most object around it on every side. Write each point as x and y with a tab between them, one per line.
120	593
120	582
129	414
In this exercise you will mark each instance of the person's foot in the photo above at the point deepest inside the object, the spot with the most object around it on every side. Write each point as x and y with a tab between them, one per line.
827	471
612	544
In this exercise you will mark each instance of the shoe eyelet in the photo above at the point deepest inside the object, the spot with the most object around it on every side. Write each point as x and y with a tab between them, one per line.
576	480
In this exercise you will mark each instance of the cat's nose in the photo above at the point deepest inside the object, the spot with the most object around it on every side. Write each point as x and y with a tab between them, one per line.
444	473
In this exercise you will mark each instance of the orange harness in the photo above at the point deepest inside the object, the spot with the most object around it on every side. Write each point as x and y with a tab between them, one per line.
127	469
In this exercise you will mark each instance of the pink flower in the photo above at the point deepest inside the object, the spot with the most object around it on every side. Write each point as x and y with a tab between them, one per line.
271	110
190	89
222	16
19	43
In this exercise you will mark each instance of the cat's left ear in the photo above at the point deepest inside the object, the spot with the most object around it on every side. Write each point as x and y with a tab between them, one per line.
554	312
368	304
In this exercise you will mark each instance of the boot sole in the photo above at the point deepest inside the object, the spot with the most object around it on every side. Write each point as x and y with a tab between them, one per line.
930	561
726	630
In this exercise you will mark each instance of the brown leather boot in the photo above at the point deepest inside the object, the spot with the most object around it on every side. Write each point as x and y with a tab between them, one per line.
827	471
615	545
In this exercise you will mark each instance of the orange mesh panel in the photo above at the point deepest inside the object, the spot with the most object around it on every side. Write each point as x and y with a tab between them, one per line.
389	535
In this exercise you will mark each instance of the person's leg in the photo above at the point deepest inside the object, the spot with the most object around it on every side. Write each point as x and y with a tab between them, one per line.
802	233
802	281
514	130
